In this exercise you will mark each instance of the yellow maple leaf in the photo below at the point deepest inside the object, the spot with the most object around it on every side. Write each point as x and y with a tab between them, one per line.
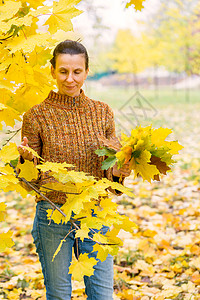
8	115
20	73
28	170
15	294
35	91
67	187
9	152
63	12
17	188
77	201
83	232
26	21
127	294
73	176
5	180
2	211
6	240
73	203
40	10
84	266
174	147
100	238
119	187
102	251
11	183
123	222
35	3
55	167
106	207
62	35
39	57
112	238
7	169
56	216
159	135
91	221
28	43
142	167
9	9
100	187
138	4
2	206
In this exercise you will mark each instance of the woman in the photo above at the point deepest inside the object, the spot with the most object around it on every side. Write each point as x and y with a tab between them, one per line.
66	127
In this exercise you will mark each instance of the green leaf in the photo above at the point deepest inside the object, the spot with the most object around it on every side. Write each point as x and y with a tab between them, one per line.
14	162
105	151
108	163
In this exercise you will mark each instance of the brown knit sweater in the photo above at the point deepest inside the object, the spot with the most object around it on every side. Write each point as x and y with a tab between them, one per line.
65	129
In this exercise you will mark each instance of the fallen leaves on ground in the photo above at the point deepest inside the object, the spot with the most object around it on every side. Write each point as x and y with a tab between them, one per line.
160	261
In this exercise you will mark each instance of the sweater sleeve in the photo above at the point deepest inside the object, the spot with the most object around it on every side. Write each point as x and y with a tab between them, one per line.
31	130
110	133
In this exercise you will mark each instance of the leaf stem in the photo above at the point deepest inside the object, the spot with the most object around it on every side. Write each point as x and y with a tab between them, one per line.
37	191
42	195
15	133
24	33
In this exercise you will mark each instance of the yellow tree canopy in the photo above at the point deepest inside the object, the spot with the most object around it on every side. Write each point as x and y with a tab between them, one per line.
26	48
130	54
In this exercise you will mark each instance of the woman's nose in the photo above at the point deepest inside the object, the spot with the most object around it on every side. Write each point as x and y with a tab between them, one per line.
70	78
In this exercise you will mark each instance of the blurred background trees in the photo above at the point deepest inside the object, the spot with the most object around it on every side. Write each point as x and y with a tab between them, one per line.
166	43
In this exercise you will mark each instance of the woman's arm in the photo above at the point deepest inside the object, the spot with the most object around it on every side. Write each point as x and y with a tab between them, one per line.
30	135
114	174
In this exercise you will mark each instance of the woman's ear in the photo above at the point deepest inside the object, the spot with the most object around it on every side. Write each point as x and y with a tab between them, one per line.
53	72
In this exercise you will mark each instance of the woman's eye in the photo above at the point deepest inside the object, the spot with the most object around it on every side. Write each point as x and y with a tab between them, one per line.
77	72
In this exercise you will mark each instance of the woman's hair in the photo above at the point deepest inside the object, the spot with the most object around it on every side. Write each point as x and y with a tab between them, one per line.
72	48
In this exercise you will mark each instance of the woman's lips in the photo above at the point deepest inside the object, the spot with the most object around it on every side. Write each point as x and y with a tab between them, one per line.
69	87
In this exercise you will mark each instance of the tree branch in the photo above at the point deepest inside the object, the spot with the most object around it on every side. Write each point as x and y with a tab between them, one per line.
8	37
42	195
15	133
54	205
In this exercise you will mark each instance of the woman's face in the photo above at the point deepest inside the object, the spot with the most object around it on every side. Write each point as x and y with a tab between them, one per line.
70	73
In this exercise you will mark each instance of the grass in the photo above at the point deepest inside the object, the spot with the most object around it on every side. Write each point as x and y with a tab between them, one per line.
116	96
165	108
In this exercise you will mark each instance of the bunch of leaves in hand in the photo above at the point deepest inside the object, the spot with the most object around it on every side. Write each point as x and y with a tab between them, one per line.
146	150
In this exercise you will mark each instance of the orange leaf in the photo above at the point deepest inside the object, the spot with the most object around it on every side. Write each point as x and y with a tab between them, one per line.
160	165
196	277
112	143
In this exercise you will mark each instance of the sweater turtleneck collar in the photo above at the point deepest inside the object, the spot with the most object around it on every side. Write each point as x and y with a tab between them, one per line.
66	101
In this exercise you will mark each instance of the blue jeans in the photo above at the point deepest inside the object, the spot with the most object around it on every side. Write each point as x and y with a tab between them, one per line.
56	278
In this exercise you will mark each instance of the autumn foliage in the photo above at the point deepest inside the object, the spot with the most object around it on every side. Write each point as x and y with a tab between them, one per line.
146	149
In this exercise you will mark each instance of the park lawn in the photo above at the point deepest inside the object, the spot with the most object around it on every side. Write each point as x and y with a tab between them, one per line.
116	96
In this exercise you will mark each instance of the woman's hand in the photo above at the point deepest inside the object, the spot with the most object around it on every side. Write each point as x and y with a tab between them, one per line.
124	171
23	152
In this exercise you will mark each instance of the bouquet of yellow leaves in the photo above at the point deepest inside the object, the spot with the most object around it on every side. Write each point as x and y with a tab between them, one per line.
146	151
